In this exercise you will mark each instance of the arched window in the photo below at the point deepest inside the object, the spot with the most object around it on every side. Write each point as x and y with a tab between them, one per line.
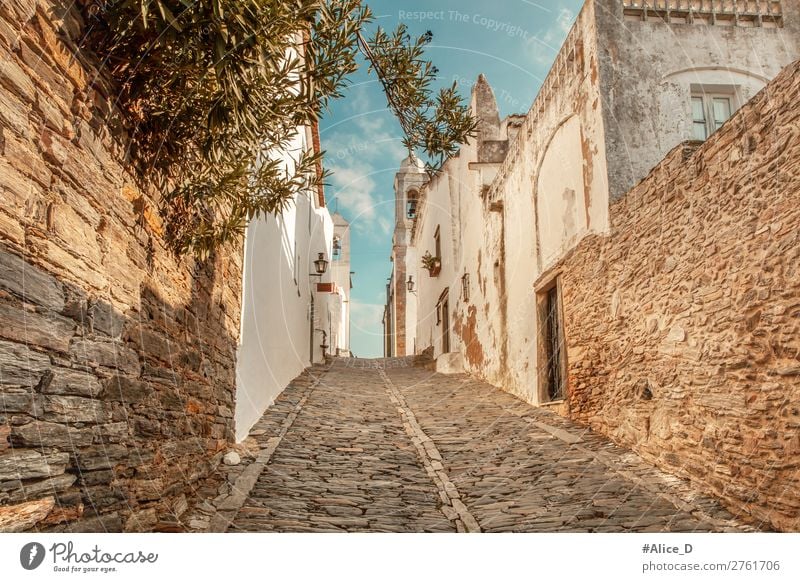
411	204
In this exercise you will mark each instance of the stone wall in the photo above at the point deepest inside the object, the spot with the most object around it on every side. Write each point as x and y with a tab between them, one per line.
116	360
682	327
400	303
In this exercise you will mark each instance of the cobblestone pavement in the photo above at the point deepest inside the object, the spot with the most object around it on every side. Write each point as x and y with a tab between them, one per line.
380	445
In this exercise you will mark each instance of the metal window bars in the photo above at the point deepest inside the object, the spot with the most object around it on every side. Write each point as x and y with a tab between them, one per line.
554	349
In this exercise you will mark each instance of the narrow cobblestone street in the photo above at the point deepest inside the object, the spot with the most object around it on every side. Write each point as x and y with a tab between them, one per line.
379	445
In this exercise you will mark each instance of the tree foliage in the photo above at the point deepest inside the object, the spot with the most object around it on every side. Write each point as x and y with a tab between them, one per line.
211	89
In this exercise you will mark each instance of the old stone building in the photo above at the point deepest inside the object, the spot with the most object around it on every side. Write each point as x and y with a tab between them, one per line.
338	319
624	253
401	316
125	373
292	316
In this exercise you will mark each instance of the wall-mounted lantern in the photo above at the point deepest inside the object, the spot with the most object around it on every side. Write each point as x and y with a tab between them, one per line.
410	284
321	266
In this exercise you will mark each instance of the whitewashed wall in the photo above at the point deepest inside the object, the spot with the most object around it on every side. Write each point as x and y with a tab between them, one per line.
608	111
647	67
451	202
340	274
275	343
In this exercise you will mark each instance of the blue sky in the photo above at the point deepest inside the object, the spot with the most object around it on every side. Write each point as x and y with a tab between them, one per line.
512	42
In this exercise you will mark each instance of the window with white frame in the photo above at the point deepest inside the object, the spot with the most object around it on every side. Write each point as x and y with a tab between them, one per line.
709	112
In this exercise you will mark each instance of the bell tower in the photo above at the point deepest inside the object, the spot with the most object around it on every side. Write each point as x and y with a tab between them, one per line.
408	184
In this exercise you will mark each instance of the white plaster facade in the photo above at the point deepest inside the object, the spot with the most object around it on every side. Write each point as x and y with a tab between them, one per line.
522	194
342	282
288	314
401	303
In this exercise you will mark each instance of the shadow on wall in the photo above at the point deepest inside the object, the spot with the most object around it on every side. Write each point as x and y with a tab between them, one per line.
107	420
116	361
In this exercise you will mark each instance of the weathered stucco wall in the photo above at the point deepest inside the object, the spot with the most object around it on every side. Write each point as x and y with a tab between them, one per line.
646	90
278	338
614	103
550	192
682	326
435	212
452	203
116	361
481	319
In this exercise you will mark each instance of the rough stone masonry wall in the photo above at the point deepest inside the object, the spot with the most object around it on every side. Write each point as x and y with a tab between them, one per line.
116	362
683	326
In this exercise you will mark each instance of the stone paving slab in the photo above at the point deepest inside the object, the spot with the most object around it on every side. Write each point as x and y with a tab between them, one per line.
383	446
346	464
521	468
214	508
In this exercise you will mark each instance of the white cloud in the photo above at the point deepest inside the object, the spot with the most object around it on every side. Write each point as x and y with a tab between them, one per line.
359	100
385	225
366	318
354	190
358	148
565	19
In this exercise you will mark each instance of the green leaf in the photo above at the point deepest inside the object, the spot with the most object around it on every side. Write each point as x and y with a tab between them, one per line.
207	93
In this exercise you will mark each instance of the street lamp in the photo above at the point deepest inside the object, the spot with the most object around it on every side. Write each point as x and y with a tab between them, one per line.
321	265
410	284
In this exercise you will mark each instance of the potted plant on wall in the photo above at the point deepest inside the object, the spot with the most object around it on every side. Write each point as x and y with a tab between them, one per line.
432	264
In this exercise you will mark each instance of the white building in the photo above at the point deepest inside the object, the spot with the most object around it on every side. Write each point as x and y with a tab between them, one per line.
291	317
632	80
342	283
401	305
